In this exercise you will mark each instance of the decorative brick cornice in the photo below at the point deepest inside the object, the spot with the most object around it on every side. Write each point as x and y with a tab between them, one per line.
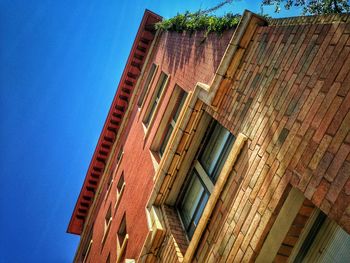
132	70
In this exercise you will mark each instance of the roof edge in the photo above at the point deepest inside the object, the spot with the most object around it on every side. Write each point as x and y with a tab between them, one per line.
120	103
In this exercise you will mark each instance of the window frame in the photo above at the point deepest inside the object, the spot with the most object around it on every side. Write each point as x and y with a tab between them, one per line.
156	99
109	186
121	244
316	238
205	179
119	190
172	120
107	225
173	108
148	83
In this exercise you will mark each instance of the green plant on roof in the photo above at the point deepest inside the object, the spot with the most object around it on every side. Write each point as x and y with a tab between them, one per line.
191	22
200	21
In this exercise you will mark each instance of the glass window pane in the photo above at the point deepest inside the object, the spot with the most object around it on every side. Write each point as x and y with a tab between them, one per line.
147	83
214	149
166	139
330	245
191	199
150	113
200	209
161	85
153	103
179	107
198	214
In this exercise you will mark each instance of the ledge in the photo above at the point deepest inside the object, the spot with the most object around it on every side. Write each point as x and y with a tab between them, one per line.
122	248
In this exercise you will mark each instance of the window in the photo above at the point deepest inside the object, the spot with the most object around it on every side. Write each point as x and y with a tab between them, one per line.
163	79
120	190
108	260
120	154
172	120
108	222
324	242
109	185
148	82
203	175
122	238
122	230
303	233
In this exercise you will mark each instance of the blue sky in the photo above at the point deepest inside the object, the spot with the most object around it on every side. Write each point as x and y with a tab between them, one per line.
60	63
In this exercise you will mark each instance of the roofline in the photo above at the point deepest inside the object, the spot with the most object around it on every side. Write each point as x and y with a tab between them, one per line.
131	73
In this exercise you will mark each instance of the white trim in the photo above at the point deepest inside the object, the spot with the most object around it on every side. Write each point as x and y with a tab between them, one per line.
106	231
122	248
204	176
119	196
87	252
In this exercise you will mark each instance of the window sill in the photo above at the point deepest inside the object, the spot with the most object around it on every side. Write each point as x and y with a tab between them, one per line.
155	160
106	233
156	233
122	248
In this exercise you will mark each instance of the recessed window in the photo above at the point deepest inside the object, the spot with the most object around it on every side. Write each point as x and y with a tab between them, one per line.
120	190
120	155
122	230
148	82
325	242
203	175
108	260
107	223
122	238
109	184
121	183
108	218
162	81
172	120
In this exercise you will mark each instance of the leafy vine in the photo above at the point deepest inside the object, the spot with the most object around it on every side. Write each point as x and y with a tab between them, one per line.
199	21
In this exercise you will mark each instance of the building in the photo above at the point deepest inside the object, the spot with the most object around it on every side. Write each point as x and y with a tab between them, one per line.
230	148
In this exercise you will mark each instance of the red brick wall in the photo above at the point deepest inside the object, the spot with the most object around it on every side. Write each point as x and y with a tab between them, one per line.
188	59
290	96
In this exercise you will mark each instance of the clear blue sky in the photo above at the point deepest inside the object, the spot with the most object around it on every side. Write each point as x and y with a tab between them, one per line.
60	65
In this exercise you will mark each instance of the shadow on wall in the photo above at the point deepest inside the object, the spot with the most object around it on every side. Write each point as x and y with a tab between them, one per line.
195	48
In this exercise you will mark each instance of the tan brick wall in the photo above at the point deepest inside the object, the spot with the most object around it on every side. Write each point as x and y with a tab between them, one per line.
291	96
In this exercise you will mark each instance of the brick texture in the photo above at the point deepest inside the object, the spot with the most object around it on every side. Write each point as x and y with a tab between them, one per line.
290	96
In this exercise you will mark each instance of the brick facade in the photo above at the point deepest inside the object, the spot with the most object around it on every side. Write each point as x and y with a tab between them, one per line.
290	96
177	55
285	90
